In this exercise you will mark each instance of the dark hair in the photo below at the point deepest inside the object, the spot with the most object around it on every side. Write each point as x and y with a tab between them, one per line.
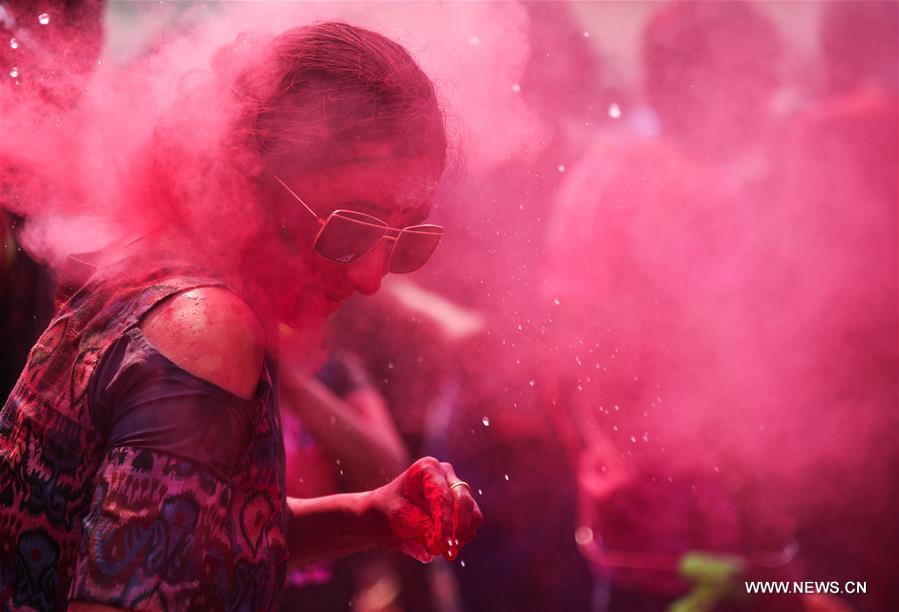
310	91
357	85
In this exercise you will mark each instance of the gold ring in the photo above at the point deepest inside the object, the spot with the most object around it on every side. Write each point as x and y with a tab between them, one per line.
461	483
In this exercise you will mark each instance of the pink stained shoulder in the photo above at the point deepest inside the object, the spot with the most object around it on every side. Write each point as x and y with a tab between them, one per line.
211	333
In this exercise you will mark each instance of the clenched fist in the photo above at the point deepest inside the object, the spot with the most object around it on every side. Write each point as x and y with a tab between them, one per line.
426	511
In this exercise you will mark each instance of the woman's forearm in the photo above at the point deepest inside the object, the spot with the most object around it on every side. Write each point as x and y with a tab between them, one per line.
330	526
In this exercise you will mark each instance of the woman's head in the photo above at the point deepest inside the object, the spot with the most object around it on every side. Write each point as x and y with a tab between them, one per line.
346	119
322	91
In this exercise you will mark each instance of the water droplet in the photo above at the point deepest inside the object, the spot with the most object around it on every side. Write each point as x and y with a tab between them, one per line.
390	366
43	19
586	34
486	421
614	111
532	382
617	407
14	72
614	427
645	437
473	40
583	535
13	43
506	476
556	301
480	491
516	87
561	167
634	439
462	563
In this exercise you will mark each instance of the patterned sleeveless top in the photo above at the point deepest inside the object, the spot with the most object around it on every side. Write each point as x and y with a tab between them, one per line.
86	517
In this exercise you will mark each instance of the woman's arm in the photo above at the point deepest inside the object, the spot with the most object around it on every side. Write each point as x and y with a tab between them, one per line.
214	335
331	526
420	513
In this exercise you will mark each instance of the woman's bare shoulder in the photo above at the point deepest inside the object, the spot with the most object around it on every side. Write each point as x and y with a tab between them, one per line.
211	333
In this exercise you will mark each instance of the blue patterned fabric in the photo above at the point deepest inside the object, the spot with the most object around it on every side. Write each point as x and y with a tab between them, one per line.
124	523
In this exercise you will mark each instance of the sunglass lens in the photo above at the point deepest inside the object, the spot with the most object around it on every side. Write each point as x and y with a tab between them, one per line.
348	236
414	247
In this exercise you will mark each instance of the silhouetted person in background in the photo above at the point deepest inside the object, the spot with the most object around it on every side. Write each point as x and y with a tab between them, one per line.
36	53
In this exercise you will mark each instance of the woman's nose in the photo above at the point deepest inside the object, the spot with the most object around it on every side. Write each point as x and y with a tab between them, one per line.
366	274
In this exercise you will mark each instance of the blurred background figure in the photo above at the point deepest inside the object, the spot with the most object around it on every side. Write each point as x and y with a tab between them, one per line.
339	437
830	258
32	56
688	305
487	415
711	70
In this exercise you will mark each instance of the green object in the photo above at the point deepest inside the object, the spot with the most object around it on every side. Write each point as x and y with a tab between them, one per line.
713	577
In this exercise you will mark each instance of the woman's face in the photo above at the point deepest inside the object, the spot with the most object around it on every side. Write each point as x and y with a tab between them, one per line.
371	180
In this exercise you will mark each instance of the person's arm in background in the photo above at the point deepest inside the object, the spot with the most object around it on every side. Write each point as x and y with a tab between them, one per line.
356	429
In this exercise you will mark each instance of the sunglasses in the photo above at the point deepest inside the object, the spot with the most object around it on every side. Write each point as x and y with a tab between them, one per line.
347	236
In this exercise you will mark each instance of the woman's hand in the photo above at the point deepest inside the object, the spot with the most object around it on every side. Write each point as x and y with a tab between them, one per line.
425	511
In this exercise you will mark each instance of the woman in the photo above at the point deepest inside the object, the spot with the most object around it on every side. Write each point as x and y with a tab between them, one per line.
141	458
